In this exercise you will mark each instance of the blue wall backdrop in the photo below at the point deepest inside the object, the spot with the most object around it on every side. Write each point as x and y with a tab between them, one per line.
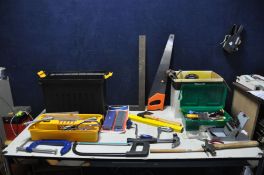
103	35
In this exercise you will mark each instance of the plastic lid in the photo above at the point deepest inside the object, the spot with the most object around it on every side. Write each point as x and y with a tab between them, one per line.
203	96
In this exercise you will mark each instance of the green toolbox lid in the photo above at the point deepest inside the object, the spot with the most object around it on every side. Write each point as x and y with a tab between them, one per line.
205	97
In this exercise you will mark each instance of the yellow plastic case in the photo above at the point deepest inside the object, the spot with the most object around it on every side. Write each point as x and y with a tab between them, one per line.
203	76
51	129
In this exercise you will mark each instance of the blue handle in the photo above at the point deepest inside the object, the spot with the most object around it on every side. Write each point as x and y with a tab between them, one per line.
65	143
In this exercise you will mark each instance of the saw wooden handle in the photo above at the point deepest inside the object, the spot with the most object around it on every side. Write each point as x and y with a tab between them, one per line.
242	144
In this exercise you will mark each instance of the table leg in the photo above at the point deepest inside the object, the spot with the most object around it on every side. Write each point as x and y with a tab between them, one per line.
7	166
260	166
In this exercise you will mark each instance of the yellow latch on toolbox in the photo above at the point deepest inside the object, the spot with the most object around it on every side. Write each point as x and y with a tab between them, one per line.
42	74
192	116
110	74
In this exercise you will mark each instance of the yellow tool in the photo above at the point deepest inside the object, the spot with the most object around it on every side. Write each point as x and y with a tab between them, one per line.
162	120
153	122
192	116
72	127
147	114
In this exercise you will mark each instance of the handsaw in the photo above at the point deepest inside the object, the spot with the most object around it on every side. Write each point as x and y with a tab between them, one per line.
157	94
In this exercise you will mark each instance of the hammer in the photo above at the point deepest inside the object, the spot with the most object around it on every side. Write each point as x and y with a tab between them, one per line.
211	148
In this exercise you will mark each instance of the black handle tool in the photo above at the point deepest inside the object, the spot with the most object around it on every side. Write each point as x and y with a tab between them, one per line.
132	153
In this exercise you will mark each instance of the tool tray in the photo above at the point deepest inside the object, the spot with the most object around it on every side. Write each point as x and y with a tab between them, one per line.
201	77
53	129
203	97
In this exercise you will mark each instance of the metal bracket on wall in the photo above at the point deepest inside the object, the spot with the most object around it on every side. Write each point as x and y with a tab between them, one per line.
141	75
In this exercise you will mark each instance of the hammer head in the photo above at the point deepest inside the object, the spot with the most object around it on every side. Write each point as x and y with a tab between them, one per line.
209	148
176	141
163	129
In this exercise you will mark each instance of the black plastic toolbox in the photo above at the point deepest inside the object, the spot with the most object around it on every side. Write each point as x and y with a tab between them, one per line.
82	92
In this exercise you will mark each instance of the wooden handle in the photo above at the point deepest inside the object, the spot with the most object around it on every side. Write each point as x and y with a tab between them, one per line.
178	150
242	144
163	120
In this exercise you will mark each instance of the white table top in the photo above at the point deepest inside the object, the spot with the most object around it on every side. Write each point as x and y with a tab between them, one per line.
250	153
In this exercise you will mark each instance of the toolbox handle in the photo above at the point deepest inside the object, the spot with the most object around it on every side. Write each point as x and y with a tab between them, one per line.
199	84
180	95
133	151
